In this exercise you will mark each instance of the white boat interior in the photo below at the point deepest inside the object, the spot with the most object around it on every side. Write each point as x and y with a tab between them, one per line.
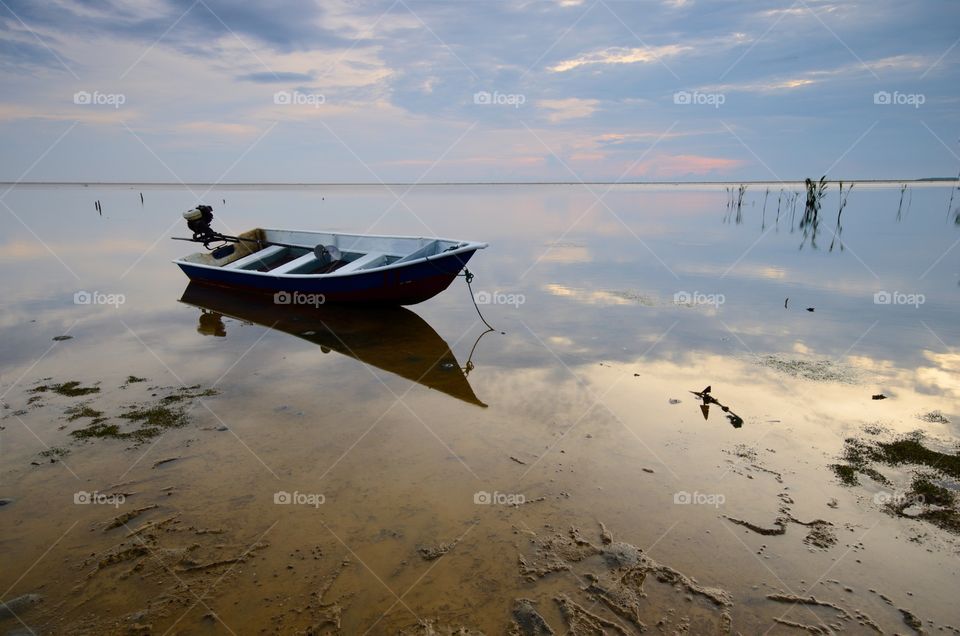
358	252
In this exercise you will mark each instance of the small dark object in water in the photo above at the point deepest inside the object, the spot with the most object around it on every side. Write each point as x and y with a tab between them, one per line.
60	338
19	604
879	396
4	501
141	198
735	420
810	309
785	302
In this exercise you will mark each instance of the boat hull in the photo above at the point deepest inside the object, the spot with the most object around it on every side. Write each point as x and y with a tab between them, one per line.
406	285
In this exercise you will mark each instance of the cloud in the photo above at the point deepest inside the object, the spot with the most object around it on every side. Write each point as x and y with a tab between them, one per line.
219	129
891	64
667	166
570	108
621	55
279	77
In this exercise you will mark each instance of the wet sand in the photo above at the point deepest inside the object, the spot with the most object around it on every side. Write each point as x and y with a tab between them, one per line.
614	505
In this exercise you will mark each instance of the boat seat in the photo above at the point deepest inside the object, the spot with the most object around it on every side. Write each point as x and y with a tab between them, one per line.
295	264
371	259
429	249
254	258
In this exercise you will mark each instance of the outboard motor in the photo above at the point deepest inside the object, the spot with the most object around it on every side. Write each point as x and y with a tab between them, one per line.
199	220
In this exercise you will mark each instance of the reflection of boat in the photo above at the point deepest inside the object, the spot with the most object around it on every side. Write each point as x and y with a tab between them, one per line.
390	338
337	268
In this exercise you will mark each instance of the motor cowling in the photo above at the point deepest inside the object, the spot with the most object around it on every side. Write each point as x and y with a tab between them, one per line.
199	220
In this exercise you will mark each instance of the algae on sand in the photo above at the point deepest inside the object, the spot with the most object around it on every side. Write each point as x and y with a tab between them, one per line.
78	411
926	500
818	370
151	419
69	389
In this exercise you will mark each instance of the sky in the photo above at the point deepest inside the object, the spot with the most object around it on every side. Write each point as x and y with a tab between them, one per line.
478	90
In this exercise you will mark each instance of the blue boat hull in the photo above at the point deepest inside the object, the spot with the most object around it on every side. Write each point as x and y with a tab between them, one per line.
407	285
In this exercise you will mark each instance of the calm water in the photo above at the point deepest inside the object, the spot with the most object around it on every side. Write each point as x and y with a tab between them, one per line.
609	305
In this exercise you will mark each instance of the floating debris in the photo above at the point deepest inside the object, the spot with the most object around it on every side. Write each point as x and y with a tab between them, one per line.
429	553
735	420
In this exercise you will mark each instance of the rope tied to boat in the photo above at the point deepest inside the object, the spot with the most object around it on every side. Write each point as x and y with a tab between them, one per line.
468	276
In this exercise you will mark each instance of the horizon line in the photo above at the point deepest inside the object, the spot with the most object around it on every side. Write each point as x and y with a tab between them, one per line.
14	184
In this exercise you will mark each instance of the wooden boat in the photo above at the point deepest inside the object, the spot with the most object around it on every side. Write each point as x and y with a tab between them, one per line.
312	268
390	338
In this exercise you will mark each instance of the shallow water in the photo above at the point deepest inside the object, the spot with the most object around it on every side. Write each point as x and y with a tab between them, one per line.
608	303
